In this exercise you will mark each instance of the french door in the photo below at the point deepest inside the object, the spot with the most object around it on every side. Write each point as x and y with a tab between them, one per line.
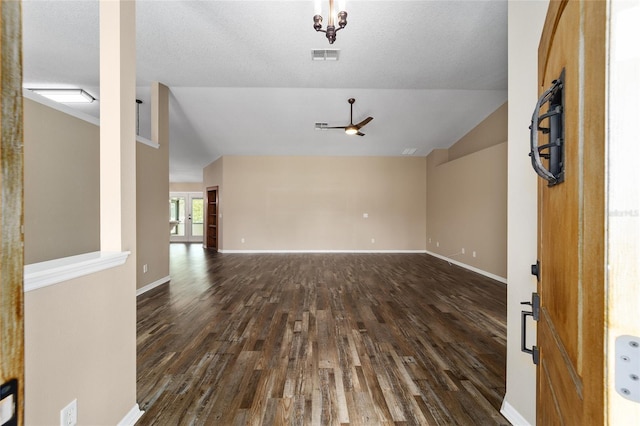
186	217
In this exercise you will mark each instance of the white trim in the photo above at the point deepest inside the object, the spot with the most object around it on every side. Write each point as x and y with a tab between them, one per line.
132	416
60	107
153	285
147	142
469	267
42	274
319	251
511	414
77	114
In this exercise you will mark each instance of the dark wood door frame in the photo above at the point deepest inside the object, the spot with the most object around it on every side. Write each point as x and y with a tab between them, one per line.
212	219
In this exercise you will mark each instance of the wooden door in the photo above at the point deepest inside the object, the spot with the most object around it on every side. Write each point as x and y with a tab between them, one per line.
212	218
571	328
11	254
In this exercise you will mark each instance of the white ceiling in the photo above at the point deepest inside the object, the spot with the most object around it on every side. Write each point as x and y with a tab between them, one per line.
242	80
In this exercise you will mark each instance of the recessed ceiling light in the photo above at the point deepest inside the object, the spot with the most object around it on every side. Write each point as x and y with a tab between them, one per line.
65	96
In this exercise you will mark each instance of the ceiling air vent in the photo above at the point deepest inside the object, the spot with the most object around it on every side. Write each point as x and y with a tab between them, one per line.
325	54
409	151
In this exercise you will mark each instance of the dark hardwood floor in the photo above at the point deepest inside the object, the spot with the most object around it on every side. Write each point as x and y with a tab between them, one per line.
320	339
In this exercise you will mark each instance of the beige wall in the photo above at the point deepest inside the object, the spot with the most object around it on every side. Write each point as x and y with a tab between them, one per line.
79	341
466	208
491	131
185	187
526	19
152	176
317	203
152	213
61	184
212	174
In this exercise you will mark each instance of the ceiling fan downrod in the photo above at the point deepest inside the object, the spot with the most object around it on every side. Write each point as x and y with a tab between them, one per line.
351	129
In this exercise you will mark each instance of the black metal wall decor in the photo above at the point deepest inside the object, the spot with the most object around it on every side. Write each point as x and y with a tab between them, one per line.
553	151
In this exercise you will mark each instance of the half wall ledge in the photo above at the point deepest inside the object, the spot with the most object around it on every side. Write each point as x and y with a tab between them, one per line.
43	274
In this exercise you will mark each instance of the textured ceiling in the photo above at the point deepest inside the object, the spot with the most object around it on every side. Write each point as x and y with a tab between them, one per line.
243	83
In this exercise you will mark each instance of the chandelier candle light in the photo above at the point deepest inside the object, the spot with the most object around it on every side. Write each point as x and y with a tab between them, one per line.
331	28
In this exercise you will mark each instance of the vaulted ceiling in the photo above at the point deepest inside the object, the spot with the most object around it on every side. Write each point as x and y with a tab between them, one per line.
242	80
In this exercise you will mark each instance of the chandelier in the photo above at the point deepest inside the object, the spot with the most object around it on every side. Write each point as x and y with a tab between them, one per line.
331	28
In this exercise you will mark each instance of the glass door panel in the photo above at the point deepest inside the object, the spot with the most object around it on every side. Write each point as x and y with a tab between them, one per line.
197	217
177	216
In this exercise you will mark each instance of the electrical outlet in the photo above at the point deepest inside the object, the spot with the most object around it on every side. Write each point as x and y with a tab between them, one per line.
365	215
373	240
437	243
69	414
462	250
429	240
242	240
145	268
474	254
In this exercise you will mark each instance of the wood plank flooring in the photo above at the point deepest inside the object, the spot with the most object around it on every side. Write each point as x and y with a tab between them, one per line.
320	339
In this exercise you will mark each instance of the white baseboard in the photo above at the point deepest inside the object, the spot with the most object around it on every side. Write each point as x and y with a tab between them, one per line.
513	415
152	285
132	416
469	267
319	251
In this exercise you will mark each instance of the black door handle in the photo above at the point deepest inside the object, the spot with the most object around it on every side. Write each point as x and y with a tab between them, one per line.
534	313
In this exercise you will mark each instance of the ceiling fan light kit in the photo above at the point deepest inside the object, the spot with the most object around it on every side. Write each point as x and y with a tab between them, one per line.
331	27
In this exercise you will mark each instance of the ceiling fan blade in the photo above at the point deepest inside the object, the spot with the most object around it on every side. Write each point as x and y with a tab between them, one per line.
336	127
360	134
364	122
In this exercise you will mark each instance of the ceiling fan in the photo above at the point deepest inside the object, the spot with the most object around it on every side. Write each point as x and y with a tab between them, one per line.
353	129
